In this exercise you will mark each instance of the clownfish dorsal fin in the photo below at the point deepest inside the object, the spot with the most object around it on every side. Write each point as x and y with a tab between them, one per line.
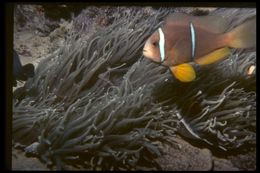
213	57
215	24
183	72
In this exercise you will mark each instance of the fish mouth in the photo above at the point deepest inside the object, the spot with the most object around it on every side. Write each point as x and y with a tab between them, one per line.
146	54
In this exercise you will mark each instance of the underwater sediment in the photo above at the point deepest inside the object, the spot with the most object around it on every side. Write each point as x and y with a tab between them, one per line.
98	104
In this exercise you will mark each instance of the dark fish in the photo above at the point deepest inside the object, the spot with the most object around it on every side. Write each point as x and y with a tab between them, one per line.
200	39
21	72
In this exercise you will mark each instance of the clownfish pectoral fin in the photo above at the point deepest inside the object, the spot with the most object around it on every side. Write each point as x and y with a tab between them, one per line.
183	72
214	56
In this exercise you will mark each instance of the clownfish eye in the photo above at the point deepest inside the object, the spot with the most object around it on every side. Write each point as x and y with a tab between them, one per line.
155	44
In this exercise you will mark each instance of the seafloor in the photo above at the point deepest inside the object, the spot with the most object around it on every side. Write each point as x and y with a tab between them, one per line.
96	103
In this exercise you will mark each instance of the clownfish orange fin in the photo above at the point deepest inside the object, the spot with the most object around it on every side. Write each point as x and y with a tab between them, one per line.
213	57
183	72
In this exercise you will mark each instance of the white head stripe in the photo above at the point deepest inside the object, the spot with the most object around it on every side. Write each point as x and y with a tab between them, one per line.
161	44
193	41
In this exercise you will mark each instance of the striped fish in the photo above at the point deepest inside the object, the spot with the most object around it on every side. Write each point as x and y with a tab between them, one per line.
201	39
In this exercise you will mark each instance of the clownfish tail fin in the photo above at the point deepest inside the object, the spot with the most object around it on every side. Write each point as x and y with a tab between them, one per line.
243	36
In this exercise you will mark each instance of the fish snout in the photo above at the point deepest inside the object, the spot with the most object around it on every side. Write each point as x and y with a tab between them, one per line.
150	53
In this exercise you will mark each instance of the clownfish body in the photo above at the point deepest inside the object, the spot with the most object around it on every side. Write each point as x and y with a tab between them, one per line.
200	39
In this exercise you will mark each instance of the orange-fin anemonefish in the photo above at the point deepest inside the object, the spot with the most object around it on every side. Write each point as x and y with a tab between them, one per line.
200	39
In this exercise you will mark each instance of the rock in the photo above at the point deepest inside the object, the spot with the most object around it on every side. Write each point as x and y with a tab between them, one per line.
21	162
32	17
223	165
210	9
185	158
61	31
246	161
202	11
32	149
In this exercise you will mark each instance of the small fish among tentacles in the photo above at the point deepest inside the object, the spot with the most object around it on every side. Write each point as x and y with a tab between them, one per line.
200	39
